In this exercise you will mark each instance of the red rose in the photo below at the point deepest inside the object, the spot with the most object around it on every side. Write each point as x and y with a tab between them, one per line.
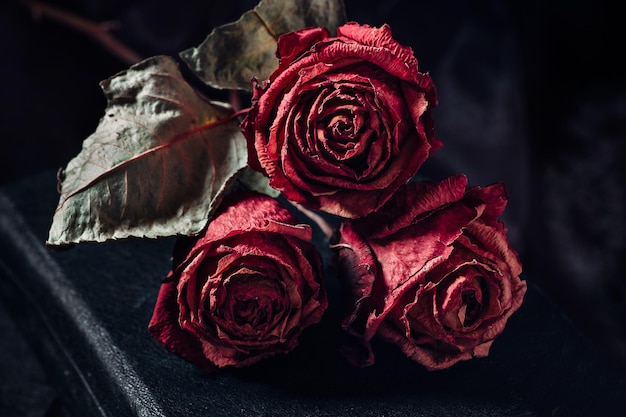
344	121
244	290
431	272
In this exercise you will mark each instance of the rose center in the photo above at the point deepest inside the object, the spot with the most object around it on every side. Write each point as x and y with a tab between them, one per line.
341	127
343	138
248	303
470	309
461	301
253	310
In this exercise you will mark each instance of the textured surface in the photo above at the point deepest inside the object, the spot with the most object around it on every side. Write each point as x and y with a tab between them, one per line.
24	388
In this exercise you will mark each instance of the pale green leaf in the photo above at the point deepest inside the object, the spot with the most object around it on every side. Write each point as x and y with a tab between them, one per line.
232	54
157	165
254	180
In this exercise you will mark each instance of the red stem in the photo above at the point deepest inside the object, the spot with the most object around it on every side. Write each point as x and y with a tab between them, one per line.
326	228
100	32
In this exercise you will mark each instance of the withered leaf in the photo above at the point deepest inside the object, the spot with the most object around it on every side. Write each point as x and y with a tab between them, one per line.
157	165
232	54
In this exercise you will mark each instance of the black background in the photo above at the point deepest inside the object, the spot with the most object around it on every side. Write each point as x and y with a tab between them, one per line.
531	93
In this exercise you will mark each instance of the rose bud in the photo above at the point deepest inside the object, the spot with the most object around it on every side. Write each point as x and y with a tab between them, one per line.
343	121
431	272
242	291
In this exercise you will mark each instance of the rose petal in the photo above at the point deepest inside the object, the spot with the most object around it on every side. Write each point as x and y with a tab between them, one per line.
293	44
163	327
403	63
245	289
411	202
308	154
445	280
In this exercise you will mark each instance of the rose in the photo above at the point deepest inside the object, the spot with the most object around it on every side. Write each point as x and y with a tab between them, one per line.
242	291
431	272
343	121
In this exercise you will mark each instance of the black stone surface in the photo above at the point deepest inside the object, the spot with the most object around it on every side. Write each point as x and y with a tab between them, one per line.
84	312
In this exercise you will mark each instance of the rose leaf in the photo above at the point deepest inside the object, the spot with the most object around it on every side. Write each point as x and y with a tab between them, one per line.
157	165
232	54
254	180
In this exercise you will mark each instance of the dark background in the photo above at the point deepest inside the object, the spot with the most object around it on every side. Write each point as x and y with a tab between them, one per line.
531	93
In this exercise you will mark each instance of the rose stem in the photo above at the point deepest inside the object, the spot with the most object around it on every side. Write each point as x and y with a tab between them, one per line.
98	31
234	100
325	227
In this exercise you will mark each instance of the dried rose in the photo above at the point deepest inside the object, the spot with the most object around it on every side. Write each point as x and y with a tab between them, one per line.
244	290
344	121
431	272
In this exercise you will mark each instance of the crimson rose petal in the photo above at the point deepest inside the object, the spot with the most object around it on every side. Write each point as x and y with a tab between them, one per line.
244	290
432	272
344	121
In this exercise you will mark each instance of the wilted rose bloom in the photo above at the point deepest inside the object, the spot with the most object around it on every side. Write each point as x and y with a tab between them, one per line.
431	272
244	290
344	121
